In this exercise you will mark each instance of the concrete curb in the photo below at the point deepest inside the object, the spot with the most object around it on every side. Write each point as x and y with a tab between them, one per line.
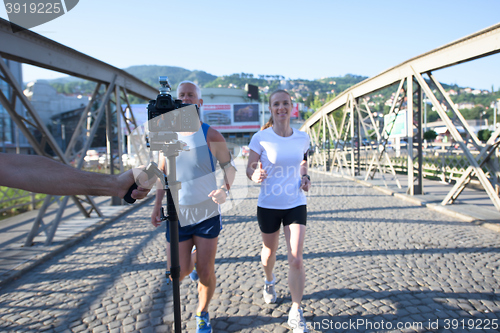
418	202
73	240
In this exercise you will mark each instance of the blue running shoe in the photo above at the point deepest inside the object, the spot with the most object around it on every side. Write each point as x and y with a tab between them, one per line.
194	275
203	323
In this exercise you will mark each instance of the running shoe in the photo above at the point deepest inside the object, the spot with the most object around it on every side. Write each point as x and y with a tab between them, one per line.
269	291
203	323
194	275
296	321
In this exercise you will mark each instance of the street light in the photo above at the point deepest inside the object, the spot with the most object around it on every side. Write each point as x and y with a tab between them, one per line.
495	110
481	114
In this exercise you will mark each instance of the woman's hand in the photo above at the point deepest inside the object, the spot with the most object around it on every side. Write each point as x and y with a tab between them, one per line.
305	184
259	174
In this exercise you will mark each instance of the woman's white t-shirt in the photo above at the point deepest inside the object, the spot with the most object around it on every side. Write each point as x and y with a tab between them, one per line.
281	158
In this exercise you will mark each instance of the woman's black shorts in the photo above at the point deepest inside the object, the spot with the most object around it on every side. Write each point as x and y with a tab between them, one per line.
270	219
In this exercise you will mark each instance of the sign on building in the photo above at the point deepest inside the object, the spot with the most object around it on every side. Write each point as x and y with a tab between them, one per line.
395	127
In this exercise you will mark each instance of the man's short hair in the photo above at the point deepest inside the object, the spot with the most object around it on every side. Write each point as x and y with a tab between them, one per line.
198	90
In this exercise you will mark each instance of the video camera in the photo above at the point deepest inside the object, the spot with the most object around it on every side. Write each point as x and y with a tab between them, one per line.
168	115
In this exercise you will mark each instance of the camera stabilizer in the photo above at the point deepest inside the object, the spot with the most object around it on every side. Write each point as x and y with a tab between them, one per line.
166	117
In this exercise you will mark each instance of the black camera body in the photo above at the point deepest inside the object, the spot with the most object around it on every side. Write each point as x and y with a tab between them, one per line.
166	114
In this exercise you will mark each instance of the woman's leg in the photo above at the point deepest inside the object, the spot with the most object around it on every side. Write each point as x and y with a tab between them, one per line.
270	244
294	235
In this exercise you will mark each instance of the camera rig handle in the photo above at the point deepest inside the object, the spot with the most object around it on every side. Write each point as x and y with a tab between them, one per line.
152	171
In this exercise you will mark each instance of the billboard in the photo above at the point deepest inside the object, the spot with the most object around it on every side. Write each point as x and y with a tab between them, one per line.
224	117
232	117
395	127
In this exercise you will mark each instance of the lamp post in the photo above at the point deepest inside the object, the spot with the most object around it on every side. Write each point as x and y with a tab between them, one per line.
481	119
263	113
494	115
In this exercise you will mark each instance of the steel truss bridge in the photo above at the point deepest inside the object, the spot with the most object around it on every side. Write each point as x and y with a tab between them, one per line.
114	86
337	144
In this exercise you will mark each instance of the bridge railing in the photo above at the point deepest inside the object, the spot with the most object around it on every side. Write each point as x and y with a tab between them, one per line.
14	199
442	162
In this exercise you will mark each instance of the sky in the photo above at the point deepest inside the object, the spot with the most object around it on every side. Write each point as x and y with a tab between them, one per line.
297	39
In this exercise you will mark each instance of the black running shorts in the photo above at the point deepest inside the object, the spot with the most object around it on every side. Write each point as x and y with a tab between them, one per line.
270	219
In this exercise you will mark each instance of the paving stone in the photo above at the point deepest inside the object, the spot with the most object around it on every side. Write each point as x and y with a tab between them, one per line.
367	256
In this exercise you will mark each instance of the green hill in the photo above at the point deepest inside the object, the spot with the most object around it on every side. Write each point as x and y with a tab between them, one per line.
150	74
313	93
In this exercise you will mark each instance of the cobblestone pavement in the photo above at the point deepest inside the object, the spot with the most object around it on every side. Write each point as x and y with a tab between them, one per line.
373	263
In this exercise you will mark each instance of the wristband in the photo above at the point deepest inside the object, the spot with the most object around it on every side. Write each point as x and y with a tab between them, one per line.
306	175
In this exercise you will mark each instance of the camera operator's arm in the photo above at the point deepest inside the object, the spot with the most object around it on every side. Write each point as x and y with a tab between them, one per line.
160	192
43	175
219	149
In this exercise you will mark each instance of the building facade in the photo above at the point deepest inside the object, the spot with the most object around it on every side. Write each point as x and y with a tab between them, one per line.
11	138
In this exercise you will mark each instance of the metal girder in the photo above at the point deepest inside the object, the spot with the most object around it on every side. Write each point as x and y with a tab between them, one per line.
131	124
409	127
458	138
487	151
481	44
31	48
23	124
395	107
50	228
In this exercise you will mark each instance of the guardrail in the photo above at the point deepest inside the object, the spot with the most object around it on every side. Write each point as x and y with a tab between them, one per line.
443	162
11	198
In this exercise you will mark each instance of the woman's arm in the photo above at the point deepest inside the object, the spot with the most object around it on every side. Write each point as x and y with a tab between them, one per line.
254	168
305	180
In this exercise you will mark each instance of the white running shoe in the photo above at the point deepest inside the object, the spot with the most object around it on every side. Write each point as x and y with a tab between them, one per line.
269	291
296	321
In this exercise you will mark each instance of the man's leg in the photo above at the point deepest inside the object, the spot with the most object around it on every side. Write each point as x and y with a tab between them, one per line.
185	260
206	249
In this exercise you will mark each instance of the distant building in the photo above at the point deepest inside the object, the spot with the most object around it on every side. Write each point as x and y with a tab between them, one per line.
11	138
48	102
465	105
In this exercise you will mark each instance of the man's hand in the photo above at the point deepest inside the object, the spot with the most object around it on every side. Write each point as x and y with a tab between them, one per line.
218	196
156	216
135	176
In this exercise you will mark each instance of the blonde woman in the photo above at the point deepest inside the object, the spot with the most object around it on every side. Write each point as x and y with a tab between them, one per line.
277	161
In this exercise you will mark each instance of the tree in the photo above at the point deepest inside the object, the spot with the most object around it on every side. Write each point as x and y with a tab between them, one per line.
484	135
430	135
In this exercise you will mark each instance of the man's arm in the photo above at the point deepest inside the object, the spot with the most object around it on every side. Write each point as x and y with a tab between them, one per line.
218	147
43	175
